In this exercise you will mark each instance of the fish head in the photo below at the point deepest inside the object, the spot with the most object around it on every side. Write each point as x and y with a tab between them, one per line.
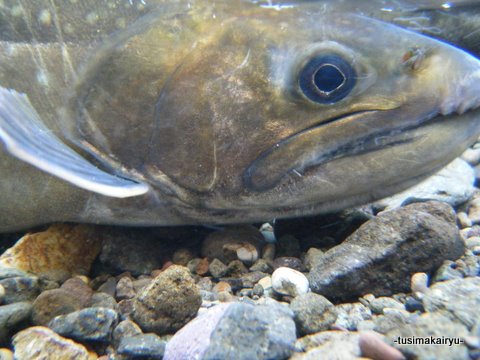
290	110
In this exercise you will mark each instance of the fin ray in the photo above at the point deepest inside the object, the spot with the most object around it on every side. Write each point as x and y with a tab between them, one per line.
26	137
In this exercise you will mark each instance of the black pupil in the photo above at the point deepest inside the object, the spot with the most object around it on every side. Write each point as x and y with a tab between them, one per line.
328	78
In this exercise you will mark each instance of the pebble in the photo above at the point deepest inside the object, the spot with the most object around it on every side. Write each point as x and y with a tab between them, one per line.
312	313
236	268
125	289
182	256
419	284
464	220
291	282
392	319
457	299
454	184
57	253
472	156
266	284
236	331
6	354
251	278
334	345
312	258
78	288
447	271
168	303
472	242
269	252
378	305
11	316
103	300
198	266
223	286
412	305
148	346
383	253
262	265
217	269
350	315
53	303
38	343
109	287
19	289
140	284
90	324
242	243
125	328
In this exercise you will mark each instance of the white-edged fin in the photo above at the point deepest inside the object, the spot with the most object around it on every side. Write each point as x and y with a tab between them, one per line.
27	138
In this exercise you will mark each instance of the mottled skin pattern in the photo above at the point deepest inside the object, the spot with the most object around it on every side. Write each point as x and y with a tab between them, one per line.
200	100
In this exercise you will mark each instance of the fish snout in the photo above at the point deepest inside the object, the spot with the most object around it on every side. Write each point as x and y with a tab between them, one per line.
461	84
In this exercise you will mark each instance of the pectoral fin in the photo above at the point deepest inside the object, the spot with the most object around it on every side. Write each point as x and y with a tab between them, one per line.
27	138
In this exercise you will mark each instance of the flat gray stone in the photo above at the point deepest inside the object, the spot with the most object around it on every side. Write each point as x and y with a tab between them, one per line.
142	346
313	313
12	315
90	324
236	331
458	299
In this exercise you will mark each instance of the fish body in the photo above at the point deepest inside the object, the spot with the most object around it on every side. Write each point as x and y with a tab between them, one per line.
188	112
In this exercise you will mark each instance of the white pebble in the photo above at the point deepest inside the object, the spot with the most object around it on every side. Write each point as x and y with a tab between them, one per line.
247	253
291	282
463	220
472	156
419	284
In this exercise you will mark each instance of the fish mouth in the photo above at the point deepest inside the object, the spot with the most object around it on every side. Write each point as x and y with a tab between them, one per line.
349	135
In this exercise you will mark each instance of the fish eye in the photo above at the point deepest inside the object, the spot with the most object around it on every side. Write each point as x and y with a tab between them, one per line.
327	79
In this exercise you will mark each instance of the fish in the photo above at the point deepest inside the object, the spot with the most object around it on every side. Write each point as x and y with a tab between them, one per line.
137	112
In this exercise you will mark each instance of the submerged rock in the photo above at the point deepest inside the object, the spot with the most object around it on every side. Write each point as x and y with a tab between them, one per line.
168	302
37	343
57	253
381	256
91	324
11	316
313	313
236	331
457	299
148	346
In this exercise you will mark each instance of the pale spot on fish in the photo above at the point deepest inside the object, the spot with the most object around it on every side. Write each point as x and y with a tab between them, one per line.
120	23
45	18
68	29
42	78
92	18
17	10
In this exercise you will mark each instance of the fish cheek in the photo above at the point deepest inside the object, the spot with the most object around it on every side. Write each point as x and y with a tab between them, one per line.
182	142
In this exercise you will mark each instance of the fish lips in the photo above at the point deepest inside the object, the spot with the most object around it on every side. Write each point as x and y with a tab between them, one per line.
345	136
